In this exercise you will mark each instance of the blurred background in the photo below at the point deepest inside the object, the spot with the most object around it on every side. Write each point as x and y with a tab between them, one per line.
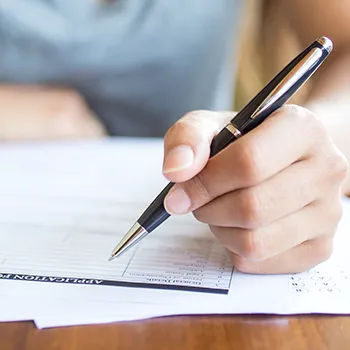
260	59
84	92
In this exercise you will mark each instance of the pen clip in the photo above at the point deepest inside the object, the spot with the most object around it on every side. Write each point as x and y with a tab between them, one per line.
283	86
289	80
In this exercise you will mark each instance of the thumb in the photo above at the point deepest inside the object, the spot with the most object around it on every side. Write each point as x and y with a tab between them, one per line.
187	143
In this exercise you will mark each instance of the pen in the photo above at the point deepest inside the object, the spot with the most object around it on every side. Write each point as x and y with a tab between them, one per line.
277	92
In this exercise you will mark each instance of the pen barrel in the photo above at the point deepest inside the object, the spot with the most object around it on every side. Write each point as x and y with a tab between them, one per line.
247	123
282	87
155	214
220	141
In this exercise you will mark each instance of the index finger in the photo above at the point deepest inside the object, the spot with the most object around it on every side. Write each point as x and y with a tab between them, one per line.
282	139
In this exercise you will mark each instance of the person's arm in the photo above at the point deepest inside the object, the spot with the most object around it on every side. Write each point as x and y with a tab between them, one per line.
329	98
44	113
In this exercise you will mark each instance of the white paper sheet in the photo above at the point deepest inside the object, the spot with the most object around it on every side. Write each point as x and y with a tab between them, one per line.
74	201
70	244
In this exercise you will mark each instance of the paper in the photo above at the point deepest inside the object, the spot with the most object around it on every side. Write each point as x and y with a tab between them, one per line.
335	279
64	206
48	241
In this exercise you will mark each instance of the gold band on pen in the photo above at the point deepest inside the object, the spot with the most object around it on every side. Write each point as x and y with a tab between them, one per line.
233	130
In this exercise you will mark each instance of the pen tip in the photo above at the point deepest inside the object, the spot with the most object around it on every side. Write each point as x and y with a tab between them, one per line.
136	233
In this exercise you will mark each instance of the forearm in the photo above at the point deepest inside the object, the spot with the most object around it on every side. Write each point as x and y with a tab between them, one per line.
34	112
330	100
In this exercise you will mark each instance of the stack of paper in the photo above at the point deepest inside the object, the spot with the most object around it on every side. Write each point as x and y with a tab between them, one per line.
63	208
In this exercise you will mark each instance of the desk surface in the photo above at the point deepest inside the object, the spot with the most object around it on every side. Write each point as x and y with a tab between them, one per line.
213	332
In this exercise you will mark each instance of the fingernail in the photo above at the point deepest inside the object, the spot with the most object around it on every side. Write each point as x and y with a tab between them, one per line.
178	158
177	202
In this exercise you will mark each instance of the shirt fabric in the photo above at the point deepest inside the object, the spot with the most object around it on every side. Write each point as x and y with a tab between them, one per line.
140	64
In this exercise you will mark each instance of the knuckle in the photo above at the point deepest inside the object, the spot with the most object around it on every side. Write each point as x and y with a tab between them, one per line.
179	126
335	212
190	121
339	166
252	247
300	114
290	109
250	162
240	263
194	115
319	251
308	120
252	216
323	250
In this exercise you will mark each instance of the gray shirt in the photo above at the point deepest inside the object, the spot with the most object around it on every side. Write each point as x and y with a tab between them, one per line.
140	64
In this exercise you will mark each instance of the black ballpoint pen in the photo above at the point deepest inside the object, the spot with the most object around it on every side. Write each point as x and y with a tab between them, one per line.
277	92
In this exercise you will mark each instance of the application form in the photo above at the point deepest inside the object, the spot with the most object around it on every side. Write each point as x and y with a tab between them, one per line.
45	240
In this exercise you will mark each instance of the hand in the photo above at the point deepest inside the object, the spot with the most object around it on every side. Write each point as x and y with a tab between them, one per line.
272	197
38	113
